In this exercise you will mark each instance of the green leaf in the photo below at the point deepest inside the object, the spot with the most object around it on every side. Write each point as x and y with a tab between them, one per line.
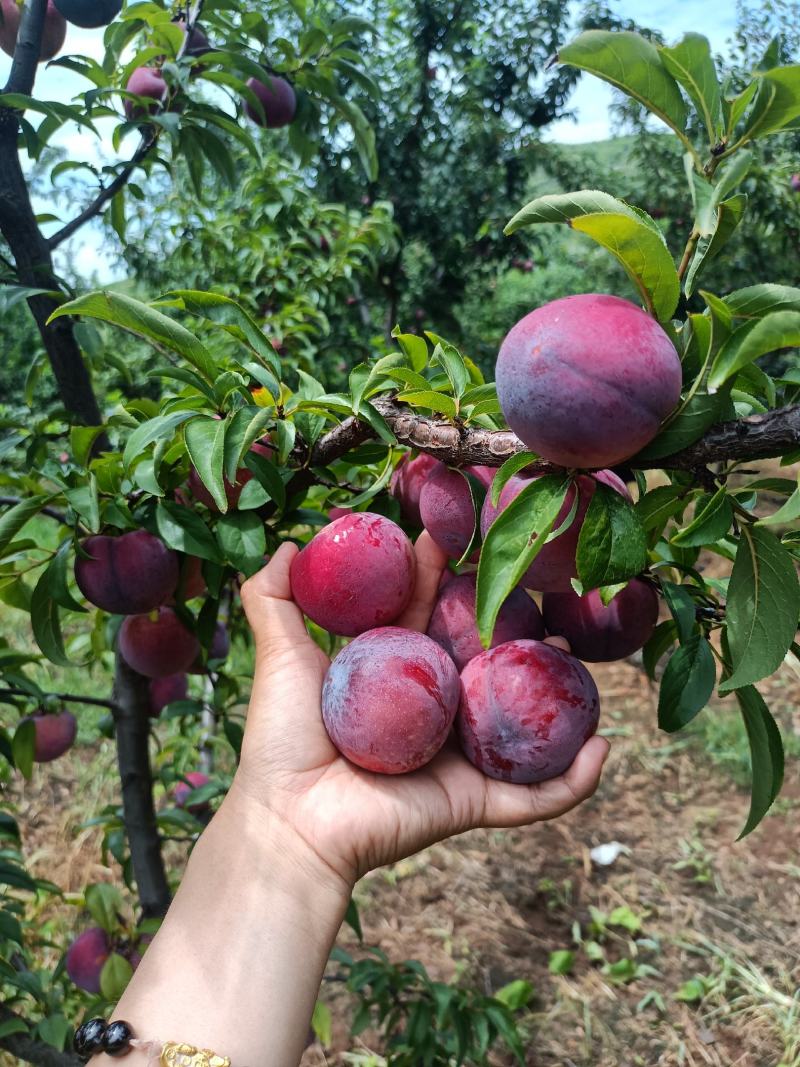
157	429
777	329
663	638
788	513
631	63
659	505
728	216
691	63
681	607
512	542
477	491
143	321
450	359
184	530
428	398
762	608
104	902
23	745
517	994
713	515
268	477
612	546
766	755
513	465
629	234
694	417
353	919
46	622
12	520
81	439
561	962
243	541
755	301
114	977
322	1023
777	103
232	318
205	443
687	684
414	347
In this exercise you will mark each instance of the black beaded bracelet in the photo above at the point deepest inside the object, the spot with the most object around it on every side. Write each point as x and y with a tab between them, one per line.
96	1036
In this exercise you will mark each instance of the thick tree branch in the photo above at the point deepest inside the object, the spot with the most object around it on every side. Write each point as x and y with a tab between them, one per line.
28	48
148	143
132	719
755	437
26	1049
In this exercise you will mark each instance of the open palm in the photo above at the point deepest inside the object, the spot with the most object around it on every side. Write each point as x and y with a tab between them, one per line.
355	820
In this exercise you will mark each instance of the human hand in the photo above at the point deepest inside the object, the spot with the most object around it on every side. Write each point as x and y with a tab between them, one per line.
353	820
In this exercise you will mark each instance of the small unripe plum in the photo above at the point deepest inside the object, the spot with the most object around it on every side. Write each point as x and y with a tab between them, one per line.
55	734
220	647
277	99
127	575
157	645
389	700
447	509
526	710
357	573
164	691
89	14
193	780
408	478
232	492
454	627
554	567
597	633
86	957
53	35
586	381
148	82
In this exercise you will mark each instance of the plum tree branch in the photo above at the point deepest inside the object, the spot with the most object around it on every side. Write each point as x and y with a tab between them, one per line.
67	698
762	436
148	142
27	49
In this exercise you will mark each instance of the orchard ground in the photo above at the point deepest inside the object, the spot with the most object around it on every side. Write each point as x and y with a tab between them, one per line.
709	977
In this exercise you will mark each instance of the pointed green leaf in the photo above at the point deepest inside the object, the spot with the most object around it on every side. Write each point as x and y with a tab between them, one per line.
712	520
687	684
691	63
243	541
414	347
143	321
23	746
12	520
777	329
512	542
157	429
205	443
728	216
513	465
184	530
755	301
766	755
762	609
633	64
777	102
232	318
629	234
114	977
428	398
612	546
681	607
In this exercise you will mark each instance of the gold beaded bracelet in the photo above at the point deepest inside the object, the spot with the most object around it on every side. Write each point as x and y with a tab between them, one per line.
173	1055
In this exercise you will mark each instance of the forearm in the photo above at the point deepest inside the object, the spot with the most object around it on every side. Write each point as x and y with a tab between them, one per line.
237	963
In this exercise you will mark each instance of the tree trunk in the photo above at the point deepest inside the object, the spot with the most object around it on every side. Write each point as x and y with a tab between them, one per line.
132	719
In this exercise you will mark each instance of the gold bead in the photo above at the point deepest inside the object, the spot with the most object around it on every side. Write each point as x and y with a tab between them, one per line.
181	1055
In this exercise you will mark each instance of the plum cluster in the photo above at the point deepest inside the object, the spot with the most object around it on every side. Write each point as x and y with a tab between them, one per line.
585	382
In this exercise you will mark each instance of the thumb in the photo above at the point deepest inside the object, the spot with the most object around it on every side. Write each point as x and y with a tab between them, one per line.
276	621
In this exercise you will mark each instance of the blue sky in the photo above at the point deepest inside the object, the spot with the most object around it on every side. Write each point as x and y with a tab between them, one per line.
714	18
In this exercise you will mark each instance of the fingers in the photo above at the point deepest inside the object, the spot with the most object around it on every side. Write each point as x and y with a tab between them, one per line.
431	562
518	805
276	621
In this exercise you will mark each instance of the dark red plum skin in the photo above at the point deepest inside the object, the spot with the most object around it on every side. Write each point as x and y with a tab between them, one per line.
220	647
554	566
86	957
53	35
357	573
447	509
89	14
127	575
526	710
276	97
156	647
55	735
148	82
586	381
164	691
453	624
601	634
389	700
408	478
